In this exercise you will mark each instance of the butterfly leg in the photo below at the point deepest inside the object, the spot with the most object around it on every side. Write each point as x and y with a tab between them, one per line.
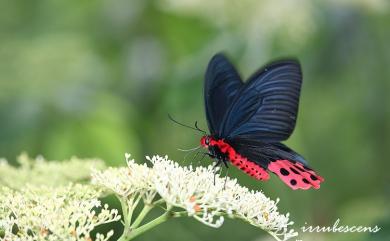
218	162
210	155
226	175
225	162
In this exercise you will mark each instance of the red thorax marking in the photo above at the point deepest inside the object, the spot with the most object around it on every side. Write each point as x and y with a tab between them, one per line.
249	167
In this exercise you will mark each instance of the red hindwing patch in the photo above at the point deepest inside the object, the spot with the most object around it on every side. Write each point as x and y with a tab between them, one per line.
295	175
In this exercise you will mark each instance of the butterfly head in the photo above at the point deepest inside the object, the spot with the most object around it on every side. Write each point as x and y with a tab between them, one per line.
205	141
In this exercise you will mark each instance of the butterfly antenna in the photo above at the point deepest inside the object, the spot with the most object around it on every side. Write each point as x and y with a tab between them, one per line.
196	125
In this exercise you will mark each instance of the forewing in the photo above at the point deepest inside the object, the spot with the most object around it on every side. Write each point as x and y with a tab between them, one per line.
222	83
266	107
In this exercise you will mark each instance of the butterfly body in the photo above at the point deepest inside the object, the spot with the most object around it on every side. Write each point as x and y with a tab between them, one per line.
248	121
224	152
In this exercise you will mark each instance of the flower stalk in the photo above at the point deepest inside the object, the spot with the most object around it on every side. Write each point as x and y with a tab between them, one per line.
141	216
135	230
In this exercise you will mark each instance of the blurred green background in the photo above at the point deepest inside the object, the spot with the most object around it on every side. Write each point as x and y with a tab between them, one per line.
97	79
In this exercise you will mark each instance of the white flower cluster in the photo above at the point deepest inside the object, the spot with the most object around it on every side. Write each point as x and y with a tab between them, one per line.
51	214
41	172
127	182
195	191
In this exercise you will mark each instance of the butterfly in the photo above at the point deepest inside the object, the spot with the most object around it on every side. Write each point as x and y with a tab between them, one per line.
248	120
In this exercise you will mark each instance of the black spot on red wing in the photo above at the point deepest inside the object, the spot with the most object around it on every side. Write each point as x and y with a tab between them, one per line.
304	179
294	170
284	172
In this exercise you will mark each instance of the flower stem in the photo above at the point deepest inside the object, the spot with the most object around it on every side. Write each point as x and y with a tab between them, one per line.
140	230
141	216
127	213
134	230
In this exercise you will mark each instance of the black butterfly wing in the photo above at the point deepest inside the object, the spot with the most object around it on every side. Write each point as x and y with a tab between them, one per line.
263	153
222	83
266	107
